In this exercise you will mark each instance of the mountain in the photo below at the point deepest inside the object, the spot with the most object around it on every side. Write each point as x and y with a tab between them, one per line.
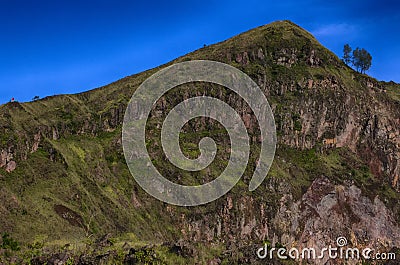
67	195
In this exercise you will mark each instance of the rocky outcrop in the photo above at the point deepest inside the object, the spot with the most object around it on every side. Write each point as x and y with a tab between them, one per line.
6	160
327	211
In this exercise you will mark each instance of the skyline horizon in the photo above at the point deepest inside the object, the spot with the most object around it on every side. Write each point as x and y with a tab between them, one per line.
67	48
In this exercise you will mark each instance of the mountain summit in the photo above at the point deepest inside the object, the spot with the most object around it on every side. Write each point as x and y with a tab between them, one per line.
67	194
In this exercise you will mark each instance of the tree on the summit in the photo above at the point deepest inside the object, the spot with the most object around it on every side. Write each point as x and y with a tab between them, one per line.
347	54
362	60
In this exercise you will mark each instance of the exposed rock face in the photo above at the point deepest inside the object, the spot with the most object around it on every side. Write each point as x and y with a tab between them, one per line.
328	211
11	165
5	157
324	213
6	160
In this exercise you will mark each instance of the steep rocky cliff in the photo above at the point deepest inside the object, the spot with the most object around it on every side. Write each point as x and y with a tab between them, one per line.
64	181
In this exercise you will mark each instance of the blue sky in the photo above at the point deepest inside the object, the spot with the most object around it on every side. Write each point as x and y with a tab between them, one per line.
57	47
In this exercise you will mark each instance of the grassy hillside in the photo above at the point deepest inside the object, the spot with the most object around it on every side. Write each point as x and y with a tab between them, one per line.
71	185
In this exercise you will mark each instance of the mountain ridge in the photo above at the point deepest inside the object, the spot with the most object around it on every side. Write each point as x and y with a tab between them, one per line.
64	177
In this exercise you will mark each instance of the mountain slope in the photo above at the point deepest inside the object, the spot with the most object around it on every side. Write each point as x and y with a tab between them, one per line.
64	180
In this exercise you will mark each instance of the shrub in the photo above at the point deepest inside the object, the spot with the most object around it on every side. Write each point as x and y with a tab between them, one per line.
9	243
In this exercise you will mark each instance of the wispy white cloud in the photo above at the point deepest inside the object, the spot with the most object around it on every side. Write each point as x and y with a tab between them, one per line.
331	30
